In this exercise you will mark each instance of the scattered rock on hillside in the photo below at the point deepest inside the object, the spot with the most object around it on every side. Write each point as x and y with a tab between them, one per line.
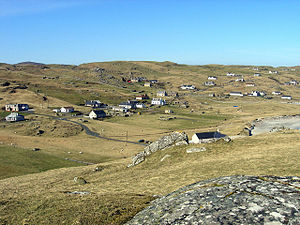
80	180
98	168
228	200
163	158
167	141
176	138
193	150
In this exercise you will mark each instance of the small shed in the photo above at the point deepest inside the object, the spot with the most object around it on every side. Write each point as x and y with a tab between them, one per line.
14	117
206	137
95	114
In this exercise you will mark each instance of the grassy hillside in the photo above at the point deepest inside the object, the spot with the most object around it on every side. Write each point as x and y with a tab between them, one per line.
117	192
16	161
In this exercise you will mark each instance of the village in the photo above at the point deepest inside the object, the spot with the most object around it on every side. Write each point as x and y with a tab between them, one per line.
153	97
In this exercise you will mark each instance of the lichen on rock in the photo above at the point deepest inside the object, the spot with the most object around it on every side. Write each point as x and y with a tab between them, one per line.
228	200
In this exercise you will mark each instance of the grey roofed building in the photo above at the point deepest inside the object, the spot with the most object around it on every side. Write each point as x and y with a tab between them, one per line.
94	114
13	117
206	137
95	104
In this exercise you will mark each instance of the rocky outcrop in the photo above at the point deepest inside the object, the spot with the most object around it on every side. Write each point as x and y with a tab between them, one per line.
173	139
193	150
273	124
228	200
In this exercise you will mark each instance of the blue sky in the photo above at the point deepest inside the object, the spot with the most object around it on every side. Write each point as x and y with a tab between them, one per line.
249	32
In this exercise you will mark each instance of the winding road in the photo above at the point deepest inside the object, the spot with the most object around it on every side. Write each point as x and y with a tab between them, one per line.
89	132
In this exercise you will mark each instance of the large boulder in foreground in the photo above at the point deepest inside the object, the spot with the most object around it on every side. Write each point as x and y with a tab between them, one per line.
173	139
228	200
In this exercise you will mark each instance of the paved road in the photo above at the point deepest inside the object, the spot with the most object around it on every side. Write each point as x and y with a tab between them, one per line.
89	132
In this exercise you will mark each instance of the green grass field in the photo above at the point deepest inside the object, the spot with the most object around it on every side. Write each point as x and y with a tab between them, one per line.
16	161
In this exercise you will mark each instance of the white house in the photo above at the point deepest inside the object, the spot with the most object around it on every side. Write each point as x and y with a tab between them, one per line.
161	93
209	83
273	72
56	110
140	105
250	84
206	137
257	75
158	101
147	84
255	93
142	97
187	87
212	78
95	114
128	104
288	97
67	109
236	93
119	109
240	80
16	107
230	74
14	117
294	82
276	93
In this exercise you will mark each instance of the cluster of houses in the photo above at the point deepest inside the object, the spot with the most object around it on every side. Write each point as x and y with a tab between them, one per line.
148	83
292	82
260	94
15	108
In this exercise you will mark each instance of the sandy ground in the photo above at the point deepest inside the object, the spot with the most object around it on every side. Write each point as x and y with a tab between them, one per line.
266	125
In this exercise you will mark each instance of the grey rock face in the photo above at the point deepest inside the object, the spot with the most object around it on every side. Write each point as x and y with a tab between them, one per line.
228	200
176	138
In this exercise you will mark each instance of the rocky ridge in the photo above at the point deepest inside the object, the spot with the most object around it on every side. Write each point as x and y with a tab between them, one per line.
173	139
228	200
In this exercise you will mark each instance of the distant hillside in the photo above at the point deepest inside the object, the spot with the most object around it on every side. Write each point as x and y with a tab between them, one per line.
30	63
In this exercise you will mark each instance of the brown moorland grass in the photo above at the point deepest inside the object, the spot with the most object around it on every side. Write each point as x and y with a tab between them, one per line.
117	192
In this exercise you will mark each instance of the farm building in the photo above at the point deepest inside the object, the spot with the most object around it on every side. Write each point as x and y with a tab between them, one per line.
14	117
206	137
